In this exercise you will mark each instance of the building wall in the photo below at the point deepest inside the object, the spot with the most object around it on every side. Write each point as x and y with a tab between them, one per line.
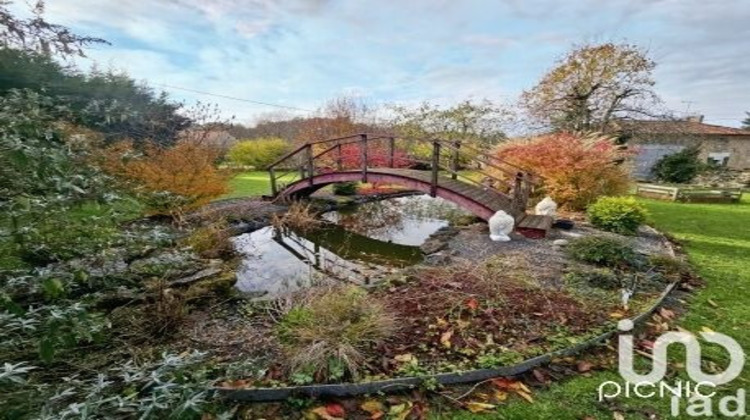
652	147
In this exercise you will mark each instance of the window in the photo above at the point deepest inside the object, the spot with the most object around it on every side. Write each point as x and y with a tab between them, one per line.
718	158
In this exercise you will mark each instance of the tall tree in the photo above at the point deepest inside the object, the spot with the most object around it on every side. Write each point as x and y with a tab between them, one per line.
479	122
746	121
36	34
592	85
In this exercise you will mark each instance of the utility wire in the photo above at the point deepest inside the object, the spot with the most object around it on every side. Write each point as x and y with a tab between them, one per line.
234	98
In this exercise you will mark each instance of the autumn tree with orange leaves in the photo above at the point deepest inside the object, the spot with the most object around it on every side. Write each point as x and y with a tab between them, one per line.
171	181
591	86
575	169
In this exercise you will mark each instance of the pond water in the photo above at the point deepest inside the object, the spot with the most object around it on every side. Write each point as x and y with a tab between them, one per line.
359	244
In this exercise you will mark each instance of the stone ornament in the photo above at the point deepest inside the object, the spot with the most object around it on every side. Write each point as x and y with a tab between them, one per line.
546	207
501	224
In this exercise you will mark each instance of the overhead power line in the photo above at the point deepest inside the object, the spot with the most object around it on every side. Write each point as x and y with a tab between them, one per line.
234	98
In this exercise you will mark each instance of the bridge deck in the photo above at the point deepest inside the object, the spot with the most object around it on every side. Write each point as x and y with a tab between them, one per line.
483	195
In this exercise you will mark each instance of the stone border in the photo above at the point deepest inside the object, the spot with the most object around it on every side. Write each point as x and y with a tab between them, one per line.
407	383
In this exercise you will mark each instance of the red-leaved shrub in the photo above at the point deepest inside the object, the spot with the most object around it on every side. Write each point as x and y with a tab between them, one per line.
576	169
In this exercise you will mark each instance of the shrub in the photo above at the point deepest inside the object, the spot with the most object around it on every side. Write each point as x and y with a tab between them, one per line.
602	278
327	336
299	216
672	268
576	169
345	188
170	181
680	167
212	241
258	153
602	250
621	215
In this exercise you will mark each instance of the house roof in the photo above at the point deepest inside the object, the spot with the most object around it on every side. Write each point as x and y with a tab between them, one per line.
679	127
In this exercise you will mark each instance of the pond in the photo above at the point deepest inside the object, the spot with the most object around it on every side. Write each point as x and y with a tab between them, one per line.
359	244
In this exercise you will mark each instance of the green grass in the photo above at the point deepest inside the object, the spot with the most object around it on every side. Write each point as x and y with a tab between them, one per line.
254	183
717	240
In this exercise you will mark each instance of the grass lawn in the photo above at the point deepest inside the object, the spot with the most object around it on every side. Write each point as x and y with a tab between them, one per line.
717	240
253	183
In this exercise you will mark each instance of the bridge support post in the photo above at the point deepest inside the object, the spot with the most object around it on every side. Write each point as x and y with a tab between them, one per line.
310	164
435	167
391	150
339	164
274	188
454	161
363	150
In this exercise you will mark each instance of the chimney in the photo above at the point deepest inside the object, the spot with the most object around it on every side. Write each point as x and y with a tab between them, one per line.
694	118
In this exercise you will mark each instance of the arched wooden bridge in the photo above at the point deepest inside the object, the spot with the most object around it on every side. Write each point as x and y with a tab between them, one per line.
384	159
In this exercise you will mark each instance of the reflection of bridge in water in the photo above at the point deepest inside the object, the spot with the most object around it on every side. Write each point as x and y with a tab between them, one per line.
345	255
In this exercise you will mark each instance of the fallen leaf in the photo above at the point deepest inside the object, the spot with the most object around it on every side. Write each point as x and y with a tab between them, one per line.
525	395
472	304
335	410
504	383
713	303
445	339
322	413
500	396
706	329
666	313
540	375
405	358
584	366
374	408
618	415
523	387
616	315
400	411
478	407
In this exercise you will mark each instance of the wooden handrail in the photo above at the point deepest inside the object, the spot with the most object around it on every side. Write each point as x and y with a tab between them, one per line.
519	180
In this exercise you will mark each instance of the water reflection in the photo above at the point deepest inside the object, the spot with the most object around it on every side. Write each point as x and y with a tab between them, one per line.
403	220
360	245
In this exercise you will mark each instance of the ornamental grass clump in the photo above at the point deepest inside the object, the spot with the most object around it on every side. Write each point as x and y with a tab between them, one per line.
603	251
623	215
327	336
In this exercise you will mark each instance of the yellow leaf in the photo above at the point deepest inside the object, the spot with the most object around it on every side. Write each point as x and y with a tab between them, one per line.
478	407
405	358
525	395
445	339
616	315
372	406
706	329
400	411
523	387
500	396
322	413
713	303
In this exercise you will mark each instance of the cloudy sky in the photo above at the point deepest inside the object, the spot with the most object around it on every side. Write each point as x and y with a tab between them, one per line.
299	53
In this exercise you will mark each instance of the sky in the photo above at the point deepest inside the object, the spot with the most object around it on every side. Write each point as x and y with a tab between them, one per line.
300	53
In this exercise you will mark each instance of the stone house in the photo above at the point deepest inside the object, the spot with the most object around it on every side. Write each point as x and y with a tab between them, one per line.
652	139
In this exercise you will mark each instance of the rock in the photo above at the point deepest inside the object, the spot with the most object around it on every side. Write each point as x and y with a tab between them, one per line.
432	246
202	274
501	224
560	242
570	235
438	258
546	207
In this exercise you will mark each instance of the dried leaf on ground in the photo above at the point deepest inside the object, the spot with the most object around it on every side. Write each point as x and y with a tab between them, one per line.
478	407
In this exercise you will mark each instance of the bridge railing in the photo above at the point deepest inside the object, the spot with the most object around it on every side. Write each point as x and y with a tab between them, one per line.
363	151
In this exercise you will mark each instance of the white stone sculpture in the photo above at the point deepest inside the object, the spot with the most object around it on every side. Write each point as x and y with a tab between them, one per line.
546	207
501	224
